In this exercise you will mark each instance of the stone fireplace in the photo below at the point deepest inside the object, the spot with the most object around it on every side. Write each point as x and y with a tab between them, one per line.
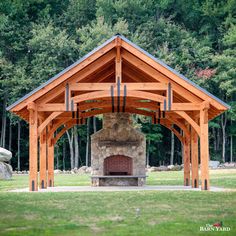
118	153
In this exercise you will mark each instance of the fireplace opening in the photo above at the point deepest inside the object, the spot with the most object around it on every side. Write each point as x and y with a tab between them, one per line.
118	165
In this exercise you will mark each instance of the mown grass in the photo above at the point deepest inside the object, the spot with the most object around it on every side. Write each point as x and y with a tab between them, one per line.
220	178
115	213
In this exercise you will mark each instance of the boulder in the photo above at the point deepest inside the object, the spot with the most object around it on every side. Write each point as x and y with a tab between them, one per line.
5	171
89	170
153	169
82	169
5	155
229	165
170	167
176	168
214	164
57	171
162	168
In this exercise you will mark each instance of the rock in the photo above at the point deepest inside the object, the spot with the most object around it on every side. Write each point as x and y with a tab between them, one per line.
214	164
5	155
57	171
82	169
162	168
229	165
177	168
170	167
89	170
153	169
5	171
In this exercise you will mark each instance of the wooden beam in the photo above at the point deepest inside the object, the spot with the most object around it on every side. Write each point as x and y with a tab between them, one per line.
118	66
184	107
102	94
169	73
204	149
149	70
68	125
51	165
194	159
106	86
181	125
87	71
189	120
33	147
47	121
56	125
43	160
186	159
93	57
169	125
59	107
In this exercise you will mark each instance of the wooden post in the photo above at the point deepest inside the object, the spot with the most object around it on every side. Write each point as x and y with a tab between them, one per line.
204	147
43	160
50	164
194	158
186	145
33	147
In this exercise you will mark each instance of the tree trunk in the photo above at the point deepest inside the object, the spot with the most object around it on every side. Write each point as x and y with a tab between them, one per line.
10	139
231	148
223	125
172	148
18	146
70	139
215	138
64	155
218	140
76	147
148	154
87	143
57	156
231	144
94	124
4	120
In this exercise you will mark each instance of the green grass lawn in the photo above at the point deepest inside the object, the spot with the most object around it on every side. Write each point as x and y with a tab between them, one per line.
114	213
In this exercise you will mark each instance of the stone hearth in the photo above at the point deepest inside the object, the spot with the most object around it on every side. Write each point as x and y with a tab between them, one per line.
118	153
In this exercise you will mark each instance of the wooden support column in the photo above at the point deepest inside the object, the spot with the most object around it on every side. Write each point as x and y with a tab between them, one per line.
33	147
50	162
118	61
43	160
204	147
194	158
186	146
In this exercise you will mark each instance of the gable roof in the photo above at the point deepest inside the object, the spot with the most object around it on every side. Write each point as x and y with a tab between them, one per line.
54	78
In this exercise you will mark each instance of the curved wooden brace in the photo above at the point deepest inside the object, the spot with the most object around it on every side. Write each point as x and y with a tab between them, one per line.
108	110
47	121
130	93
56	126
72	122
189	120
180	125
69	125
169	126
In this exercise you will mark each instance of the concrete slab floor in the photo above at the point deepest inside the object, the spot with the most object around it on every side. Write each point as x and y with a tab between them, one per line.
117	188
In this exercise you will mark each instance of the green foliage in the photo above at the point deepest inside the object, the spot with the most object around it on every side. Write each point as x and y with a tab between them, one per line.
39	38
90	36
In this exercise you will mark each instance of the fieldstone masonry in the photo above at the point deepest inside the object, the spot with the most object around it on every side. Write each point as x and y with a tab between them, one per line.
118	137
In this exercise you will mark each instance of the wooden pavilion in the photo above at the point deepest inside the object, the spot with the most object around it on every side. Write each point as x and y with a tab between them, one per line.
118	76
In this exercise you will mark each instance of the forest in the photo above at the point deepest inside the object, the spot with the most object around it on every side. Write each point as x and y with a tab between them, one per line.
39	38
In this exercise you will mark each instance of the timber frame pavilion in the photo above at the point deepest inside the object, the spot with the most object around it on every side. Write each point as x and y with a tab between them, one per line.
118	76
